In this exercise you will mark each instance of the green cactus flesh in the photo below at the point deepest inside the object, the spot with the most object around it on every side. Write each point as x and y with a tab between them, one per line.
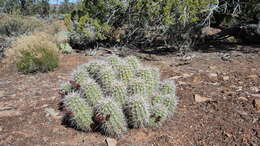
80	75
110	117
81	111
137	111
118	92
106	77
133	62
114	61
66	88
168	87
151	78
137	86
91	91
159	114
125	73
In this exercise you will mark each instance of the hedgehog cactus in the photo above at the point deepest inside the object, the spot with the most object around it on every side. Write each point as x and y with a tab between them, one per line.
114	93
118	91
79	75
159	114
110	117
151	77
105	77
137	111
125	72
137	86
133	62
168	87
91	91
82	112
114	61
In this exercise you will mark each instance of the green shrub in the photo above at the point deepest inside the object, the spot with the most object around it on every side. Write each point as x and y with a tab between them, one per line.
141	22
18	25
122	93
65	48
34	53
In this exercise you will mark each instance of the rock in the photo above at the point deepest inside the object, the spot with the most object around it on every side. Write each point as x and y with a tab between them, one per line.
9	113
257	103
213	76
256	95
111	142
225	78
255	89
175	77
243	98
199	98
2	93
1	128
252	76
51	112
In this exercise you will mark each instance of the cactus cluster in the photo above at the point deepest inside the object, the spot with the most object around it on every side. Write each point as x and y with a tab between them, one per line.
114	94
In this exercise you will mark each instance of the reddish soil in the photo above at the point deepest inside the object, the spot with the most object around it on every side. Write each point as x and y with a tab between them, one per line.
228	118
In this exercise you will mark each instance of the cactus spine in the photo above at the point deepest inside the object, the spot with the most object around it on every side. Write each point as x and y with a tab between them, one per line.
106	77
168	87
137	111
81	111
110	117
118	91
159	114
151	77
80	75
137	86
91	91
133	62
125	72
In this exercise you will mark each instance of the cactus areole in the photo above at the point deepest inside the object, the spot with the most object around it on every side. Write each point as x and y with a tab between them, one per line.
115	94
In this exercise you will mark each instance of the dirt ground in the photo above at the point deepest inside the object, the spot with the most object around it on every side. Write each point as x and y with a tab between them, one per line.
217	103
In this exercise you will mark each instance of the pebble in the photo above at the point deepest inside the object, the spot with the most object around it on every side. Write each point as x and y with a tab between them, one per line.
2	93
111	142
199	98
257	103
51	112
9	113
243	98
225	78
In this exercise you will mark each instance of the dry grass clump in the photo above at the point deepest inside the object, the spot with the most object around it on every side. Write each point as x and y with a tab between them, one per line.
35	52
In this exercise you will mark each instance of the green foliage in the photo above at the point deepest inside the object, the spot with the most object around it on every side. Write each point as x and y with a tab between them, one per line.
39	59
142	22
120	91
82	112
18	25
65	48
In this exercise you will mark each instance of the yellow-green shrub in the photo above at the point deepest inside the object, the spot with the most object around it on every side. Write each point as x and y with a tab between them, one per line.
35	53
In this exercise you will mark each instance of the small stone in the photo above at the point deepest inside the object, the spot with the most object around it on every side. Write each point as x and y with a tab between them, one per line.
213	76
252	76
199	98
175	77
9	113
256	95
243	98
2	93
257	103
225	78
255	89
111	142
52	113
1	128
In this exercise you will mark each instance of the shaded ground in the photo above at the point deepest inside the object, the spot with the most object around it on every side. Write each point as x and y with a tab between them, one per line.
29	112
